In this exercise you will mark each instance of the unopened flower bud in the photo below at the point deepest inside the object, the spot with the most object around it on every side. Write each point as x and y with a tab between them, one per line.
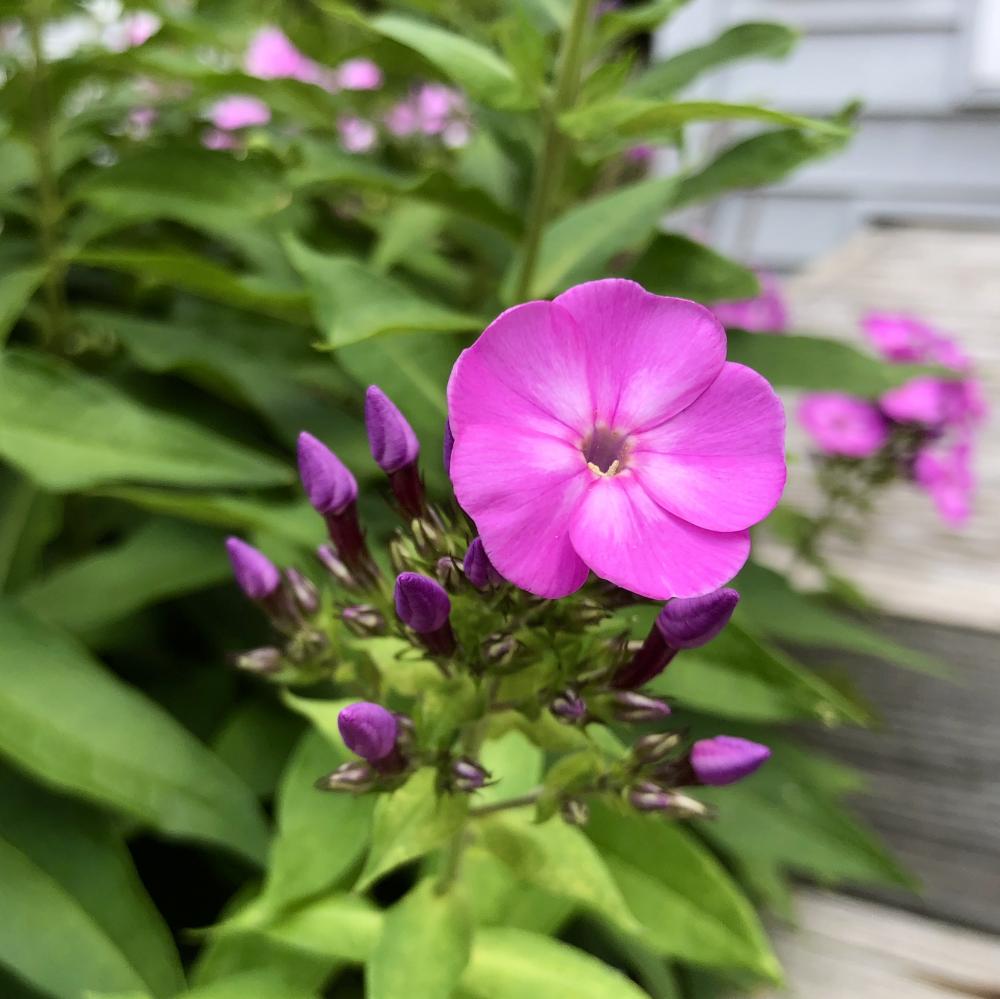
574	811
395	448
263	660
356	777
651	798
467	775
633	707
400	554
368	730
303	590
426	535
653	748
423	605
328	482
449	446
690	622
499	649
726	759
478	568
258	577
569	707
448	573
334	565
364	620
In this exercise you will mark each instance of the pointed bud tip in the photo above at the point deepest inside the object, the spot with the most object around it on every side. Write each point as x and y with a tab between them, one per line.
421	603
726	759
393	443
328	482
368	730
478	568
690	622
258	577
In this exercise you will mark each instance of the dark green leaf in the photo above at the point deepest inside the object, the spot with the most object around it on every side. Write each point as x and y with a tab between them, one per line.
74	725
31	519
68	430
16	288
620	22
676	265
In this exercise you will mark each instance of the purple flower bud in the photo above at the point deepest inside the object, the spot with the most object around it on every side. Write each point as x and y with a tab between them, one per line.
652	798
304	591
448	573
355	776
633	707
653	748
569	707
467	775
364	620
421	603
394	444
687	623
368	730
449	446
263	660
726	759
257	575
333	564
478	568
328	482
499	649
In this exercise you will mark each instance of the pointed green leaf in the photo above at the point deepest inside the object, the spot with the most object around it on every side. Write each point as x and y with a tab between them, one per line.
677	266
16	288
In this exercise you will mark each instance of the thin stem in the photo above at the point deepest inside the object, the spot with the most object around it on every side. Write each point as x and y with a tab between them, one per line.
521	801
49	202
549	171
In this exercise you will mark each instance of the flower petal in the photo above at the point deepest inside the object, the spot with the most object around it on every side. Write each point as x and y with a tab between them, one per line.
649	356
625	537
720	463
521	489
528	369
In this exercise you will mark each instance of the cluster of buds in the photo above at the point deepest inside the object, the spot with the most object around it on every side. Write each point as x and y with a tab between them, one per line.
493	647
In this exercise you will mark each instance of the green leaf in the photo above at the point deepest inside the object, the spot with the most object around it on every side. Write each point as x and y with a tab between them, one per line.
634	117
162	559
16	288
515	764
53	942
408	228
424	946
760	40
578	245
68	430
678	266
345	927
739	676
256	741
409	823
475	68
807	362
352	302
31	519
620	22
687	904
769	605
560	860
74	725
265	983
513	964
78	849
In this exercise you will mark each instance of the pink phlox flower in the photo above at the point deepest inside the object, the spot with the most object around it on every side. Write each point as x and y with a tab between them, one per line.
640	154
605	431
357	135
140	122
133	30
897	336
432	109
767	313
402	119
359	74
842	424
437	105
945	473
215	138
238	111
272	56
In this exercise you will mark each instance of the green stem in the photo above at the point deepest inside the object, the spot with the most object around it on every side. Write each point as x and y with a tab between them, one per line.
49	202
521	801
554	144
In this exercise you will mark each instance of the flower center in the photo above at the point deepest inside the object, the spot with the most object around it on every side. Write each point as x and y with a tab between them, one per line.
605	450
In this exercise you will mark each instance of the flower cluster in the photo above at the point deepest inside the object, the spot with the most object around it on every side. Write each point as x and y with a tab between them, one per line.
922	430
766	313
603	431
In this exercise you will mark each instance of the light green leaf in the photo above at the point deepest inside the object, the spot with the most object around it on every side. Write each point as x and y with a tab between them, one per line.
577	246
678	266
634	117
264	983
560	860
514	964
408	228
68	430
256	741
742	41
352	303
515	764
475	68
409	823
344	927
162	559
688	905
54	943
424	946
74	725
79	850
16	288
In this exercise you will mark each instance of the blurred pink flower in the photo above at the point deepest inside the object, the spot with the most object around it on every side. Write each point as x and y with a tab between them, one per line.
606	431
214	138
141	121
841	424
767	313
640	154
436	106
357	135
946	475
359	74
272	56
239	111
434	110
929	401
133	30
402	119
897	336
